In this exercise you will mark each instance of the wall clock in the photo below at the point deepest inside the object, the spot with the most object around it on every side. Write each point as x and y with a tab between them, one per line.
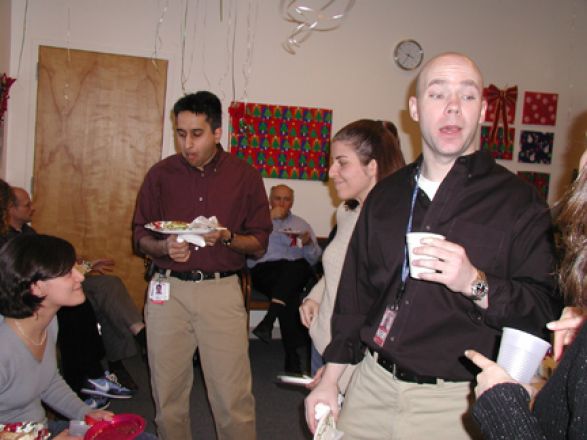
408	54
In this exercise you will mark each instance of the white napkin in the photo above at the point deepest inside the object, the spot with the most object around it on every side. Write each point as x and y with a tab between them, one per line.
198	223
326	428
203	222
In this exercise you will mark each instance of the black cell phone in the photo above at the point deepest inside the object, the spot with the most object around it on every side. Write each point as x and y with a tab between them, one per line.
149	269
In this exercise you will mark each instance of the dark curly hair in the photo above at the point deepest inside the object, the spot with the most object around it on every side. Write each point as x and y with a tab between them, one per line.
24	260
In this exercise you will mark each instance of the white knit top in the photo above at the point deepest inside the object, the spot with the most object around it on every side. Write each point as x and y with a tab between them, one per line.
324	292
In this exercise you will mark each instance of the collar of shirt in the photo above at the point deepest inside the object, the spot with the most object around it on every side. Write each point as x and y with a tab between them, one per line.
475	164
213	165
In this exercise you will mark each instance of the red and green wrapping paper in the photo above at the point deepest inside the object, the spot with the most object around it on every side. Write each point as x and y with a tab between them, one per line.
286	142
539	180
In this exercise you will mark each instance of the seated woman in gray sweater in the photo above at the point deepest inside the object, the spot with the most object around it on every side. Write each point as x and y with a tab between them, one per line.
37	278
560	408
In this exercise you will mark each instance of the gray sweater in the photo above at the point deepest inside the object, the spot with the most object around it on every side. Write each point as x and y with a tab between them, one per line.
25	382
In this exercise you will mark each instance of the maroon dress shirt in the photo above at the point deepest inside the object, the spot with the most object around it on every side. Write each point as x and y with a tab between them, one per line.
227	188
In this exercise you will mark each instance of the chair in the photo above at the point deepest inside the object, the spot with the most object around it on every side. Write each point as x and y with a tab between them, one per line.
255	300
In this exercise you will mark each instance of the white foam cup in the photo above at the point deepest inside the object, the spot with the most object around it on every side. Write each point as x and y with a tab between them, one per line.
413	241
521	353
77	428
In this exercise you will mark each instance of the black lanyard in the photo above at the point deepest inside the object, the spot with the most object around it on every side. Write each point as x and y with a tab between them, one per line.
405	264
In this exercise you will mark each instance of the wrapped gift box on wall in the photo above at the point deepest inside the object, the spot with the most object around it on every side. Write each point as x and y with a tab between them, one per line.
540	108
536	147
499	149
282	141
539	180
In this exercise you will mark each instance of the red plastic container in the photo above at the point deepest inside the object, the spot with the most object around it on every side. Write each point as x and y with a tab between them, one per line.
121	427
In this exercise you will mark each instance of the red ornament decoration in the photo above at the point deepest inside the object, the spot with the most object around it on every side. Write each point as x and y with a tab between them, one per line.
501	107
5	84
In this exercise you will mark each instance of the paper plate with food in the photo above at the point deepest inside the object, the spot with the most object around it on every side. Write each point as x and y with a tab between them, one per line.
294	379
199	226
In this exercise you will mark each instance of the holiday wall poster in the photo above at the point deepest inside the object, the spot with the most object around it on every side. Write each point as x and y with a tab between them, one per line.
539	180
540	108
498	149
536	147
281	141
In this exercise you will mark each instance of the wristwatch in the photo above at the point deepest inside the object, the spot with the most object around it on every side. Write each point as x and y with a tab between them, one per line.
479	287
228	241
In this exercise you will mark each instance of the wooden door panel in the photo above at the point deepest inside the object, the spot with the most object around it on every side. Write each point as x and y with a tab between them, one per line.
99	129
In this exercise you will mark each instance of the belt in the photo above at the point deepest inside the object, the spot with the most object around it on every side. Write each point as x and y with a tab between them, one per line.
401	373
194	275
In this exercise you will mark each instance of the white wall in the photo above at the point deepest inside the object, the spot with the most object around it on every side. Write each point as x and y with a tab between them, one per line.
4	35
534	44
4	60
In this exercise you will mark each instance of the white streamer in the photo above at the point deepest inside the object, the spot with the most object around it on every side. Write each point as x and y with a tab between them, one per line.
158	40
68	45
24	31
229	51
251	28
183	77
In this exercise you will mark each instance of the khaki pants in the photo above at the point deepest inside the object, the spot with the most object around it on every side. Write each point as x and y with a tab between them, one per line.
378	406
208	315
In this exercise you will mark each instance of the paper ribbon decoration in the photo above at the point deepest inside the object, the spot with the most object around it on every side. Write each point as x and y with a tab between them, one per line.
502	99
309	19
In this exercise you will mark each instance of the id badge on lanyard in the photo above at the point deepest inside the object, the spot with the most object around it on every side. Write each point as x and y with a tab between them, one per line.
391	310
385	326
159	289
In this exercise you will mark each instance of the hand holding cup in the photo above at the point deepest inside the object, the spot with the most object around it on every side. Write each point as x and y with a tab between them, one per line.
413	240
521	353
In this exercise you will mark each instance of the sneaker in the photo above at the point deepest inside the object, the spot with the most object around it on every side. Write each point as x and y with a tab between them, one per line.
107	386
123	376
97	402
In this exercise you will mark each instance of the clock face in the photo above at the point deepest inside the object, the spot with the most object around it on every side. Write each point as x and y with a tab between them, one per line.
408	54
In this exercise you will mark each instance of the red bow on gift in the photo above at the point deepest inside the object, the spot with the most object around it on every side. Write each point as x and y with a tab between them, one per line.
238	118
502	100
236	110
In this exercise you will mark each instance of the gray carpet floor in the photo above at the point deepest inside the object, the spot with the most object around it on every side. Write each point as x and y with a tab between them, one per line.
279	408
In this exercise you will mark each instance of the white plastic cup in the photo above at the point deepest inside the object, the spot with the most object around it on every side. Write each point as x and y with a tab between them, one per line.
413	240
521	353
78	428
